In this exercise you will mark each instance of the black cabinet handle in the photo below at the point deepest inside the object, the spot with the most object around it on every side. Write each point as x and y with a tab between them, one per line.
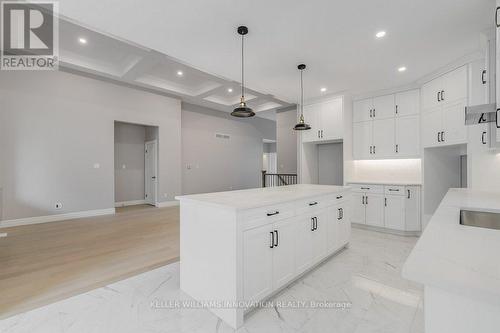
365	188
339	197
396	109
313	203
408	194
397	148
312	223
498	116
385	202
394	189
363	200
374	149
341	213
371	113
273	213
371	151
374	113
438	99
442	95
272	240
366	200
442	136
483	76
496	17
439	136
483	139
338	216
277	240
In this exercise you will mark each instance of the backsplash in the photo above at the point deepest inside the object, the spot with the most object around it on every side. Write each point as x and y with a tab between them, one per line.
397	170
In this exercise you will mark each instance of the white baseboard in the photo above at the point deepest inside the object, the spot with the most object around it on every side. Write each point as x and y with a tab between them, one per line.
54	218
167	204
130	203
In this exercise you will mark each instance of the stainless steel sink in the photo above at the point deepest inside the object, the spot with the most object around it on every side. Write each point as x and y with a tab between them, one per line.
480	219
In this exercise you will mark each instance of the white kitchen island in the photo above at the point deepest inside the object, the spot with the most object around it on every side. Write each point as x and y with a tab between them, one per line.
241	247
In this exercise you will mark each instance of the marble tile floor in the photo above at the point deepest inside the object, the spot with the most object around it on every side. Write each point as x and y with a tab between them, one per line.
367	275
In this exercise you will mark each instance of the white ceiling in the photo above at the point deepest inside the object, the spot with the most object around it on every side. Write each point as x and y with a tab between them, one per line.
335	38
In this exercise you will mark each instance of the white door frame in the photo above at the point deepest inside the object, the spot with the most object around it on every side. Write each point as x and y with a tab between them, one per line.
146	175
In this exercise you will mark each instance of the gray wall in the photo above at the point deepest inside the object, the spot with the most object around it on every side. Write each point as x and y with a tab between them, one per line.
330	164
286	141
55	127
129	162
214	164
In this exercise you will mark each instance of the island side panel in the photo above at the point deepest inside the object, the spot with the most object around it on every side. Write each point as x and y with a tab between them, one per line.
208	256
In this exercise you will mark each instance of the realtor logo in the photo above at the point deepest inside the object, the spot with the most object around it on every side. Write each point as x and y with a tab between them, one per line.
29	35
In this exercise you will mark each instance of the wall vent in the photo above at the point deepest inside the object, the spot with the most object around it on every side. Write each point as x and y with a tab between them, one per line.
222	136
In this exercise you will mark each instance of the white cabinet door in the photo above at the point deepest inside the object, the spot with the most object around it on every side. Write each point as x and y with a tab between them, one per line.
407	103
319	235
310	117
408	136
383	138
332	120
394	214
357	208
375	210
432	125
455	85
303	243
412	209
284	252
478	83
430	91
257	263
362	139
454	127
362	110
332	237
383	107
344	226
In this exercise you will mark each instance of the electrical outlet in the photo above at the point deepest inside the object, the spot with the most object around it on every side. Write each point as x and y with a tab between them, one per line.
58	205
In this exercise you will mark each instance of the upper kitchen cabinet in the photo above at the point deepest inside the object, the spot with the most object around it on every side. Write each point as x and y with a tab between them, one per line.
326	119
444	100
391	129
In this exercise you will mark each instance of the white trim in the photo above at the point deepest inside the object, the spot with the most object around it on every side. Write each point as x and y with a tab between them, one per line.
54	218
130	203
167	204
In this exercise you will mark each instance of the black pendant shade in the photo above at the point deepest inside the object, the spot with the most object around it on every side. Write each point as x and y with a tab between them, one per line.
301	125
242	111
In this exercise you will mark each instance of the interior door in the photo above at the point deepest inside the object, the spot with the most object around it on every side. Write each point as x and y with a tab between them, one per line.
454	127
358	208
303	243
283	252
395	212
407	103
408	136
257	263
383	107
319	236
361	110
432	125
332	120
150	172
383	137
375	210
362	139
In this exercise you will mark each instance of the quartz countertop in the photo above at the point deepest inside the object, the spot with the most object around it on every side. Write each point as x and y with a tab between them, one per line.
457	258
260	197
389	182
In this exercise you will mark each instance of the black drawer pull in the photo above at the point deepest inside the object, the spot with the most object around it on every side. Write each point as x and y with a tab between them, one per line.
339	197
394	190
274	213
277	240
313	203
365	188
272	240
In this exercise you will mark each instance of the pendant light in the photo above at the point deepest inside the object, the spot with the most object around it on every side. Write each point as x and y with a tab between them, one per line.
242	111
301	126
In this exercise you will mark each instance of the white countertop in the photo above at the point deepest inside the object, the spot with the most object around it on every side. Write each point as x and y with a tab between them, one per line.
460	259
389	182
259	197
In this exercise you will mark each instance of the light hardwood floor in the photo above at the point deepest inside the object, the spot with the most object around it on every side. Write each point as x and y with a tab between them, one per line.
43	263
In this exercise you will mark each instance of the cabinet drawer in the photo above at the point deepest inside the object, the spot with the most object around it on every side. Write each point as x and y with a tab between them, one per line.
367	188
394	190
313	204
263	215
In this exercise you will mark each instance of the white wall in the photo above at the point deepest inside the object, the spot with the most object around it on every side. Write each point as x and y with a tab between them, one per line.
129	162
213	164
286	142
55	127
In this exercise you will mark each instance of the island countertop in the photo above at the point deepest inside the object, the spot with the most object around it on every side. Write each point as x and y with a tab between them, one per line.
457	258
260	197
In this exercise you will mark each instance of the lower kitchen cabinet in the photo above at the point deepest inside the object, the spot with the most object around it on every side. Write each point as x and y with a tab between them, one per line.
389	207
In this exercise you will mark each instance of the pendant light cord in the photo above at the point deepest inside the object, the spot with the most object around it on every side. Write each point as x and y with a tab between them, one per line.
301	94
242	69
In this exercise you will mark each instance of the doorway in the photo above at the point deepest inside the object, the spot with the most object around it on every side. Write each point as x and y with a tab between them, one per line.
136	164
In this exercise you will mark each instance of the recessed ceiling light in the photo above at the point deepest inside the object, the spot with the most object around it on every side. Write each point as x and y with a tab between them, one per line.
323	89
380	34
230	90
82	40
402	69
180	73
